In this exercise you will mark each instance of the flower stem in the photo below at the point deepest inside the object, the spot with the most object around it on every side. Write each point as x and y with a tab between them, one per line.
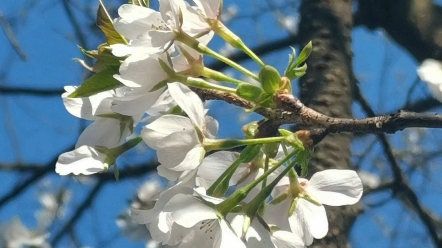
216	75
200	47
224	207
202	84
221	144
235	41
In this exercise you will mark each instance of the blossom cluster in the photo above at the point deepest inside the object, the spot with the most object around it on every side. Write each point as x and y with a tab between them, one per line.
216	198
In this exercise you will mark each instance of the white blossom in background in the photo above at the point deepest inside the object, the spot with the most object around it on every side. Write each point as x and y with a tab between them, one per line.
309	220
229	13
289	22
53	206
227	50
15	235
430	71
369	179
131	229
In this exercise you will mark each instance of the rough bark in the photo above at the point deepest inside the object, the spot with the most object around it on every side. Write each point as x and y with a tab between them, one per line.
416	25
327	88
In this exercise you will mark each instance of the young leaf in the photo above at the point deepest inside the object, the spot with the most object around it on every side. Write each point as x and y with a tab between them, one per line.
249	92
104	22
304	54
99	82
103	55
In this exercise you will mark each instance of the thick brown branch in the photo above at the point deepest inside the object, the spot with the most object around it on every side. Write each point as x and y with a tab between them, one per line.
298	113
293	111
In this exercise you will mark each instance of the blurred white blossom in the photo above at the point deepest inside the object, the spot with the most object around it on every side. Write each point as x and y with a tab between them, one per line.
430	71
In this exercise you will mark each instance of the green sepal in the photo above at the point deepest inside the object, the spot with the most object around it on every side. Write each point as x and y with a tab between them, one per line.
295	142
269	78
284	132
302	159
104	22
250	129
116	172
271	149
249	92
101	81
293	206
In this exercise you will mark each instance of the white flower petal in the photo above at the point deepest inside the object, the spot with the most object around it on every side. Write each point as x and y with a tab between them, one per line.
164	126
86	107
103	132
133	72
278	214
143	216
228	238
215	164
211	127
210	8
135	105
83	160
311	216
335	187
188	211
189	102
164	103
135	20
180	151
284	239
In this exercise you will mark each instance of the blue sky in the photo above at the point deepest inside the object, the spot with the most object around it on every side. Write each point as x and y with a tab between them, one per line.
35	129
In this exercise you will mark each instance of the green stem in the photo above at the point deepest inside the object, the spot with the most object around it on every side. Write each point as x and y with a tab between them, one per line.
213	190
239	195
221	144
216	75
202	84
265	192
200	47
235	41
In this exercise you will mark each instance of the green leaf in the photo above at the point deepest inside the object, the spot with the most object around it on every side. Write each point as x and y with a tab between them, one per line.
249	92
297	72
302	159
305	53
103	55
292	57
99	82
104	22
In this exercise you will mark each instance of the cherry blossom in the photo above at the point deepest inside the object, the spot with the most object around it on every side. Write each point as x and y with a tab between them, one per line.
430	71
309	220
178	139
